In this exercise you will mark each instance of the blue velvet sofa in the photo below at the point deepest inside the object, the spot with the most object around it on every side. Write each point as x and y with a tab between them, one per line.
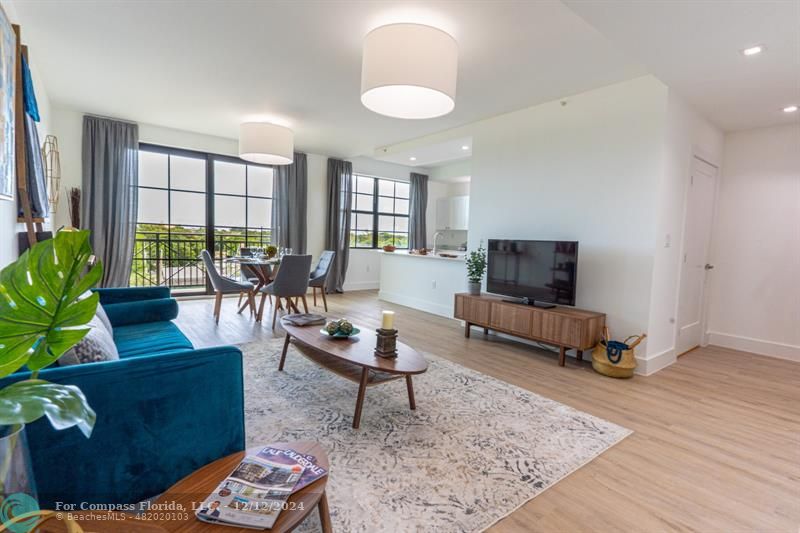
163	409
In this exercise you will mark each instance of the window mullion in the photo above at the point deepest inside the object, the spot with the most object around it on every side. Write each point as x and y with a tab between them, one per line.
375	213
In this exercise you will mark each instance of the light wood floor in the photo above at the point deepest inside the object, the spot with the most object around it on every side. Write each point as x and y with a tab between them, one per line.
716	446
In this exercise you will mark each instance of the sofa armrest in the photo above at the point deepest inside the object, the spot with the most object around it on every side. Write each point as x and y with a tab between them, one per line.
131	294
159	418
139	312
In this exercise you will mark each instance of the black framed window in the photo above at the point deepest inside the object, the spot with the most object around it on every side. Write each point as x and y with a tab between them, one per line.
379	214
189	201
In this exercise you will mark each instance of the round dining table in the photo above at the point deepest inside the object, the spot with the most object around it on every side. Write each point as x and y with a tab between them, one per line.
263	268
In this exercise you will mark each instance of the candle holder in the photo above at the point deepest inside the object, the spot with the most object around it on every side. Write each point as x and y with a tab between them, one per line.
387	343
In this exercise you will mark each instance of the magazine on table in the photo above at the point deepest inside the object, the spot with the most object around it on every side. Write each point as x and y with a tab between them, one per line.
255	493
311	470
305	319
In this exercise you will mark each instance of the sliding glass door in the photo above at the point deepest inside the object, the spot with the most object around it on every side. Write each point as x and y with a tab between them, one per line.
190	201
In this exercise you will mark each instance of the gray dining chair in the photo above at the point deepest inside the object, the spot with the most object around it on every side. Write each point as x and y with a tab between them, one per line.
319	277
291	281
223	285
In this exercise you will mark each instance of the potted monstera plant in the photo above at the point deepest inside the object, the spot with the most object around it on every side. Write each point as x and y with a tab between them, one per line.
43	313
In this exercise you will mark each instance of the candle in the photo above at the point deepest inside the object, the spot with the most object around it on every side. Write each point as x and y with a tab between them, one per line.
388	320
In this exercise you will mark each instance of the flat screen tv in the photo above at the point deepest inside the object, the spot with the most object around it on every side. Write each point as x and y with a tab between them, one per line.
538	272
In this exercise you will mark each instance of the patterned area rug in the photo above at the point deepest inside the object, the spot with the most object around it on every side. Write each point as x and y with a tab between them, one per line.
475	449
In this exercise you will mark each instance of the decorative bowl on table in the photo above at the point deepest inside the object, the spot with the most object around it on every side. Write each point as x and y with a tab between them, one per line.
340	329
389	248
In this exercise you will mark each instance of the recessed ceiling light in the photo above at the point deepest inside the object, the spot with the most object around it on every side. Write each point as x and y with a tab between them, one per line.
790	109
412	158
465	147
753	50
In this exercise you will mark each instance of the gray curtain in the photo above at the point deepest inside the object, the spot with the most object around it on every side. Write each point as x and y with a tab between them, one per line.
289	204
337	232
110	195
416	211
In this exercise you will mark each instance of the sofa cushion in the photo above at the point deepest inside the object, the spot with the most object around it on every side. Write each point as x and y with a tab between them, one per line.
149	338
101	314
96	346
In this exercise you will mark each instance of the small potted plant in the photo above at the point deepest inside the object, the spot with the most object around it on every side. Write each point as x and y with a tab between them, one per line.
476	267
271	251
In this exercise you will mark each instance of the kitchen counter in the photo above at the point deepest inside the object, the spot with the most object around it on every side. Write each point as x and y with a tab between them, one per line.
424	282
460	258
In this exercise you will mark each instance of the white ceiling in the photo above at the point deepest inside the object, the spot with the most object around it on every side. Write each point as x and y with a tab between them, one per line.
207	66
430	155
695	48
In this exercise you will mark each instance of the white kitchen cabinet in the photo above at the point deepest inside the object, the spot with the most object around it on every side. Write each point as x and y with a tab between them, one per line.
452	212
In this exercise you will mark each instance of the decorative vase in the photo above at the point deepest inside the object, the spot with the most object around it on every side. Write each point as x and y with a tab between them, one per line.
16	470
474	288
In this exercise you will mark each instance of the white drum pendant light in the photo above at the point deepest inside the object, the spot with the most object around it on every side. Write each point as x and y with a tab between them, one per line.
409	71
265	143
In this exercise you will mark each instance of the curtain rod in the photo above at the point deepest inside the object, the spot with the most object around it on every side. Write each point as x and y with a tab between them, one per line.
93	115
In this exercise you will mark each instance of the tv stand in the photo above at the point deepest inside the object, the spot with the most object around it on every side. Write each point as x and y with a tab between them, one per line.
564	327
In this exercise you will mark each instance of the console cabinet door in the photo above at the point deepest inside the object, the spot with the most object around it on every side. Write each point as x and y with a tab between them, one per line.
472	310
513	318
560	329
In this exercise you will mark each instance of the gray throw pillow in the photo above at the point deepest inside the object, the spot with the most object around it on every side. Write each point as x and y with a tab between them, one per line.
101	314
97	345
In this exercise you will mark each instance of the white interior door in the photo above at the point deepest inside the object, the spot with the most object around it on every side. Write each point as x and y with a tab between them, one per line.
695	267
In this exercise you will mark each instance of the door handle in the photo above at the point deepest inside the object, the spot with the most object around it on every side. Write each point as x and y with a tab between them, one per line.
709	266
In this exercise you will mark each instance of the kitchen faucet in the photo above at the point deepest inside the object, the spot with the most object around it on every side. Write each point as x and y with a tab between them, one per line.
435	240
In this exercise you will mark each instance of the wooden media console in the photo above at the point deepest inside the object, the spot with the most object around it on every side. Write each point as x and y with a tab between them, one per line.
564	327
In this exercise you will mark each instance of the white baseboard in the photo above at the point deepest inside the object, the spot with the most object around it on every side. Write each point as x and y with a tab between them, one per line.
417	303
361	285
780	350
647	366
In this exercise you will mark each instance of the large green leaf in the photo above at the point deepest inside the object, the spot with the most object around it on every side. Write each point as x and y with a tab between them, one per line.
64	405
40	309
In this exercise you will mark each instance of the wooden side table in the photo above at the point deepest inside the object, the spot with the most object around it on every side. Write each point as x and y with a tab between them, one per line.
194	488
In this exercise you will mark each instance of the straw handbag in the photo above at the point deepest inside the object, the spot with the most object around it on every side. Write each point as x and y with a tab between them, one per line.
616	359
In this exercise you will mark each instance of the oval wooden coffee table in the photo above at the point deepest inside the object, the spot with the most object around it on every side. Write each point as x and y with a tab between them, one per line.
354	359
194	488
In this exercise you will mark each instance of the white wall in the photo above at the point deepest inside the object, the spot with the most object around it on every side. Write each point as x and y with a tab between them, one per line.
686	134
8	209
426	283
452	171
587	171
755	285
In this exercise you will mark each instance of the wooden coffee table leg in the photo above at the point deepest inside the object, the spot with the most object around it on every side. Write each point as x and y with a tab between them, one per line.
562	356
325	514
362	389
580	355
466	329
410	387
285	349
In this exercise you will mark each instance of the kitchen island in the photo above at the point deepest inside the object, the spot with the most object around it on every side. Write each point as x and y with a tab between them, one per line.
425	282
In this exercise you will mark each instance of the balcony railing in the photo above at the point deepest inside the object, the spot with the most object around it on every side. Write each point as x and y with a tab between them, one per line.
173	259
